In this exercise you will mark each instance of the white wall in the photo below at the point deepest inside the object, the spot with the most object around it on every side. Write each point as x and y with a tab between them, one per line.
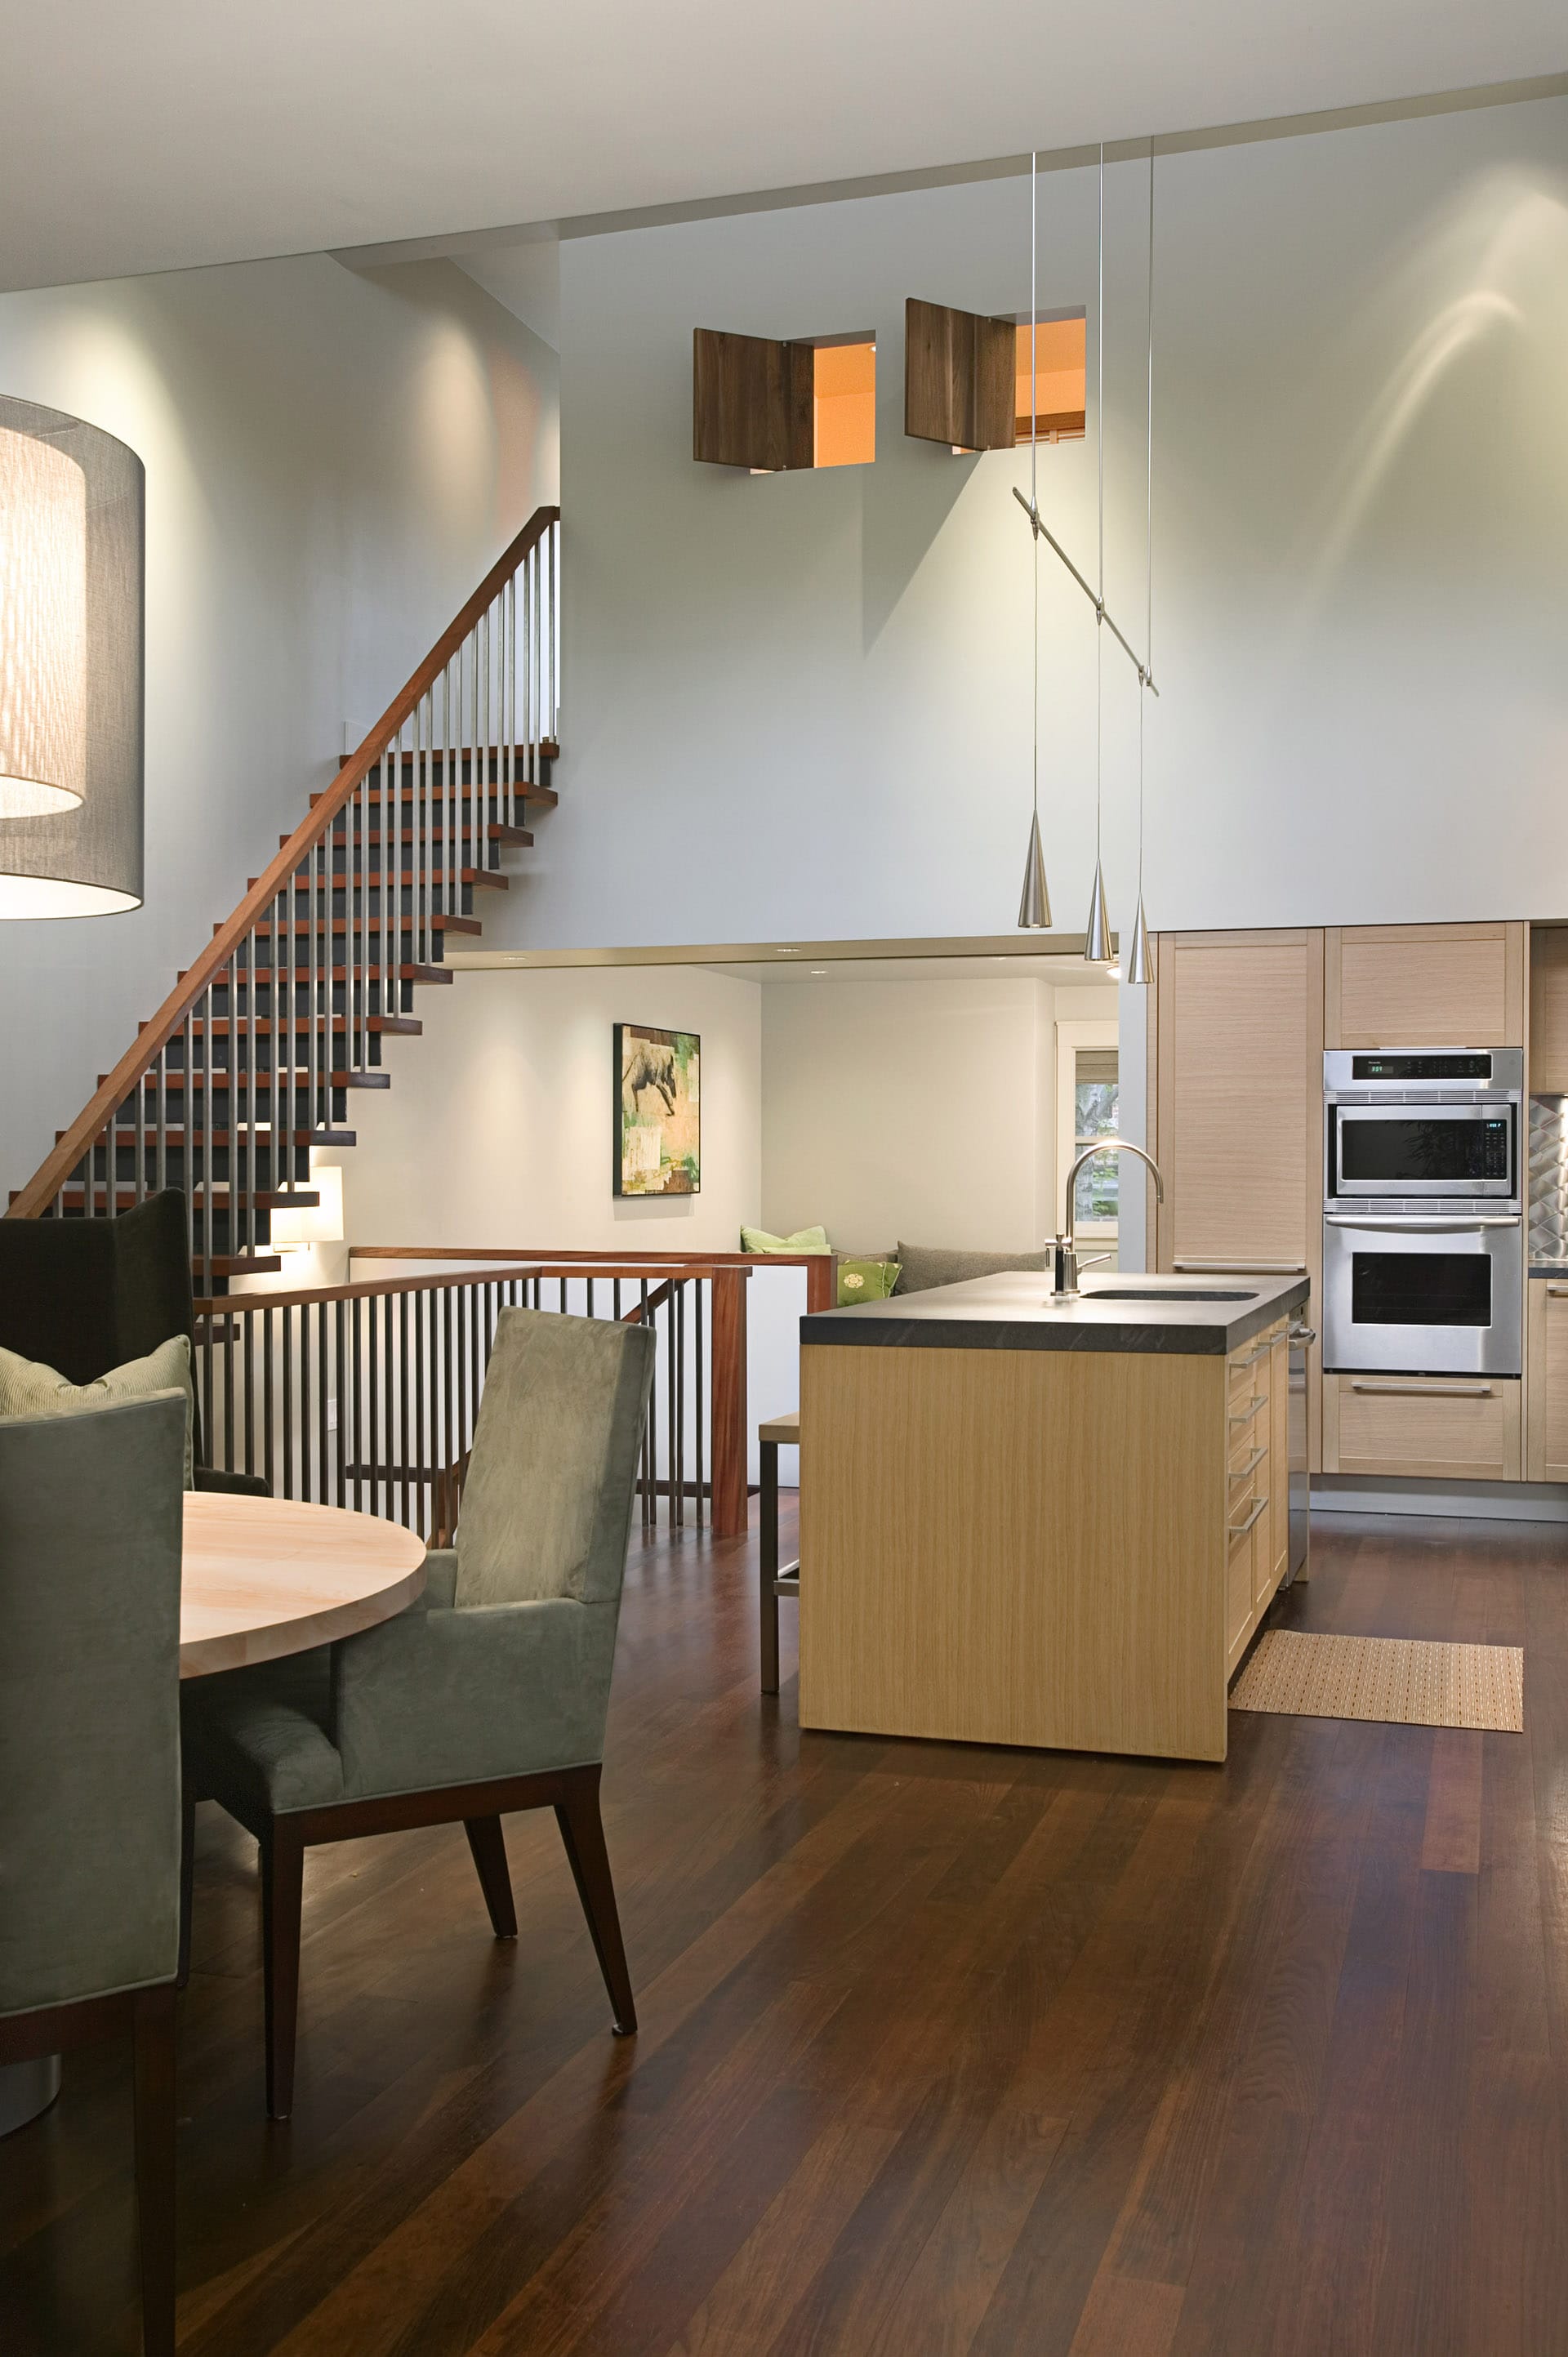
802	703
924	1109
333	459
498	1125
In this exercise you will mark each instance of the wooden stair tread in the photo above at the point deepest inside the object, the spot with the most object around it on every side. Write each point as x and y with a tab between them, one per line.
124	1133
548	749
401	1026
223	1192
294	1075
407	879
437	921
495	831
486	789
239	1263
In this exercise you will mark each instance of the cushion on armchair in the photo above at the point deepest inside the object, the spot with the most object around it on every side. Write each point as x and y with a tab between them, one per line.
29	1388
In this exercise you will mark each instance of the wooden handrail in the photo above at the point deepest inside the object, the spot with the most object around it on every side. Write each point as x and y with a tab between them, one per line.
41	1190
821	1267
228	1305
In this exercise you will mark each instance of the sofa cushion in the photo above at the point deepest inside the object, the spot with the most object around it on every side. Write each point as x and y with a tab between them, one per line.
866	1279
804	1240
922	1266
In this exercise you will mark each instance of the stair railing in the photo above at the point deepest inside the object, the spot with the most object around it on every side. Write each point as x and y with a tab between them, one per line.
367	1394
248	1062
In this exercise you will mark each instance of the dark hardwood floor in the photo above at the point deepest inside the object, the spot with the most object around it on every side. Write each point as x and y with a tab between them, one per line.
942	2050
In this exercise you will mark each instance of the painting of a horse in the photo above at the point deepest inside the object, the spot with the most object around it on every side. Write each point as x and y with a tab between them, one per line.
657	1148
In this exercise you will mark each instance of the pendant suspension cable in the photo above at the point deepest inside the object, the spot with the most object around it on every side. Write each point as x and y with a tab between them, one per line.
1148	524
1034	345
1034	904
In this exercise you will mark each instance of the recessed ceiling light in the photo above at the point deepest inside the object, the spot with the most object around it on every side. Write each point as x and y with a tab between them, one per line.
819	969
777	952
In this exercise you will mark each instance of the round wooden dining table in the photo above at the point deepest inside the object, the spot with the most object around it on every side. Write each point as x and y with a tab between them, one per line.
260	1578
266	1576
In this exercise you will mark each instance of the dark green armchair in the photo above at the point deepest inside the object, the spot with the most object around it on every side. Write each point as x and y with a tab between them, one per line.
91	1513
489	1694
83	1295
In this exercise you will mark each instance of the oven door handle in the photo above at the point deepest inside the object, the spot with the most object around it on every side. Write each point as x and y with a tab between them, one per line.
1417	1227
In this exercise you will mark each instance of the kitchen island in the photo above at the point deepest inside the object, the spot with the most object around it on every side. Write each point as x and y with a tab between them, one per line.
1035	1519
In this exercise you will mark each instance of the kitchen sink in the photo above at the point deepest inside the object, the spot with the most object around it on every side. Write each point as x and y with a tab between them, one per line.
1148	1293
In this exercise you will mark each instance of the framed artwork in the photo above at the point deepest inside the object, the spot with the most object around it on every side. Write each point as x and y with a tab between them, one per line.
659	1118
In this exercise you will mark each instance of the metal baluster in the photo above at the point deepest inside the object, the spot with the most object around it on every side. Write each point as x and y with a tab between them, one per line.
306	1489
420	1463
323	1407
312	871
112	1153
366	1312
267	1401
287	1316
345	1403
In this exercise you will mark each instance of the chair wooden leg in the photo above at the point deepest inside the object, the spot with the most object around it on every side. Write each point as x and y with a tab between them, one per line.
283	1875
487	1844
583	1832
152	2030
186	1879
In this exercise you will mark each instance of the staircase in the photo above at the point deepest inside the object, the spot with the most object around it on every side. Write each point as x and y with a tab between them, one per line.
255	1055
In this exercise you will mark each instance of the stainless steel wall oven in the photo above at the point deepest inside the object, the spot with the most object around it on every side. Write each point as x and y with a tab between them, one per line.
1423	1227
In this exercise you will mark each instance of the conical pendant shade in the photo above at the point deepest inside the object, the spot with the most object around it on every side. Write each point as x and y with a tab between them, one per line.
1140	966
1034	905
1097	941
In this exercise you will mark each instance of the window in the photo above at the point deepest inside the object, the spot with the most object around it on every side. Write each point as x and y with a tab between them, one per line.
1087	1107
1094	1115
844	403
1061	375
774	408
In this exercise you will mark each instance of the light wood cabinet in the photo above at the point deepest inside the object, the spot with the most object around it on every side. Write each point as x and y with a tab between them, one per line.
1257	1512
1548	1071
1424	986
1429	1427
1236	1107
1546	1381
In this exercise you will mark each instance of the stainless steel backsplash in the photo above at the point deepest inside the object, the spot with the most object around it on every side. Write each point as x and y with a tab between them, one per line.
1548	1230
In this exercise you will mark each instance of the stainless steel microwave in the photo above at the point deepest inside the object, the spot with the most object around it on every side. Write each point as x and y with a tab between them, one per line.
1419	1127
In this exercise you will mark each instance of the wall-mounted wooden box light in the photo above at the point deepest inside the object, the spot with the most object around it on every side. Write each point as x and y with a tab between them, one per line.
966	378
772	406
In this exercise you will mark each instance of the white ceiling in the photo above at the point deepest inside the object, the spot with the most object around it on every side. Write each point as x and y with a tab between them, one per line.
181	131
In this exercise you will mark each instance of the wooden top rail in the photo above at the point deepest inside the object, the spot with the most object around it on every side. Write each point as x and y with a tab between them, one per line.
246	1305
372	1288
576	1260
47	1182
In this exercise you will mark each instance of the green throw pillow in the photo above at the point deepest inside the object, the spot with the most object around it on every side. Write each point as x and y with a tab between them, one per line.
865	1280
29	1389
804	1240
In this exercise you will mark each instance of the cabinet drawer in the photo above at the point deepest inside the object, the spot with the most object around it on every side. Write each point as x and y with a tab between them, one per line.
1439	1428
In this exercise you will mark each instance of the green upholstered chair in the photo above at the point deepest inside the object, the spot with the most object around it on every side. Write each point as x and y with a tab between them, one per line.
90	1512
84	1296
489	1693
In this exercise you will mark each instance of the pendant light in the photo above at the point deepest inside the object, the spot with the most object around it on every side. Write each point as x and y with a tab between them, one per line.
1035	901
1140	963
1097	935
71	667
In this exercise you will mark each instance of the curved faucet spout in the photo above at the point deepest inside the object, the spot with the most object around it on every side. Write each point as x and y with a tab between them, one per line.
1067	1243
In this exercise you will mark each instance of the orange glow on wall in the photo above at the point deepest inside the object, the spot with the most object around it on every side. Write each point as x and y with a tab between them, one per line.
1061	375
844	388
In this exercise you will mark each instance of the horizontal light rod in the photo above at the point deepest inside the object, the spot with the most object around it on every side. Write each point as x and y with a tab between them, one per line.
1102	613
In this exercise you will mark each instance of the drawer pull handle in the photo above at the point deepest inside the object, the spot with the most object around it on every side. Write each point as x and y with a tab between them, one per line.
1251	1358
1557	1293
1240	1267
1427	1391
1239	1530
1252	1465
1245	1415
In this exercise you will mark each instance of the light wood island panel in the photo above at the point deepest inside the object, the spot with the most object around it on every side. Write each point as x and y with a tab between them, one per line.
1018	1546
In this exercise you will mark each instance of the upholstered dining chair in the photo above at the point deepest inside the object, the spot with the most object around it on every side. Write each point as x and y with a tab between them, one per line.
83	1295
489	1694
91	1511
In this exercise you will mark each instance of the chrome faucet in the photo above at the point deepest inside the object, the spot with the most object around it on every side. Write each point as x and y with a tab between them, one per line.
1064	1249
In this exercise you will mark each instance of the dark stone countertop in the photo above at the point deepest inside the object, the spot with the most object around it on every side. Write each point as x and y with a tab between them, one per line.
1016	1312
1548	1268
